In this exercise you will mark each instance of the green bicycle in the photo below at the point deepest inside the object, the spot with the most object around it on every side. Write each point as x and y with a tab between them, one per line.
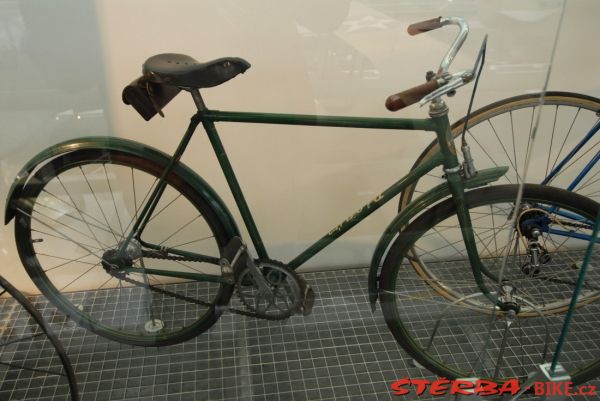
135	246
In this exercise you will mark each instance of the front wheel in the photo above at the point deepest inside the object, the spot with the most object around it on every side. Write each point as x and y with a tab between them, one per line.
499	134
72	217
470	337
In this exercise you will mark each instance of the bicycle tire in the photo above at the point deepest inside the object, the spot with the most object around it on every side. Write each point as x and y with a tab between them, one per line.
417	315
491	122
82	203
39	320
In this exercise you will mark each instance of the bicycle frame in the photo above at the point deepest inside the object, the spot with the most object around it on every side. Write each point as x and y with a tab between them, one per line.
586	169
438	123
570	156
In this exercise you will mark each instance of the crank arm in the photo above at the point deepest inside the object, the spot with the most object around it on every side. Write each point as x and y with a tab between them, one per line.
234	258
258	277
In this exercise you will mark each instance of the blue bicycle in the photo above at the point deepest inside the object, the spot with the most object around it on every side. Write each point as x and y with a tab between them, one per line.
565	155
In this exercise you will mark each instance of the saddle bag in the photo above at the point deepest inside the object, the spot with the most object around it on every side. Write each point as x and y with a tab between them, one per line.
148	98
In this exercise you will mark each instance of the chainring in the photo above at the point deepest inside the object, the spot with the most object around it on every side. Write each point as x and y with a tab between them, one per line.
286	296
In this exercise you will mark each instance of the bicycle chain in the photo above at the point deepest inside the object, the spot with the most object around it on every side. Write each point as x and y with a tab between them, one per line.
574	224
155	255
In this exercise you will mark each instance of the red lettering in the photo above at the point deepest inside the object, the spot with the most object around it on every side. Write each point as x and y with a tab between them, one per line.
539	388
555	388
486	387
461	387
592	389
398	386
569	389
421	385
510	386
439	387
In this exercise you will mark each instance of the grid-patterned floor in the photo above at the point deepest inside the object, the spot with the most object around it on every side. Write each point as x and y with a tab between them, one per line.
341	352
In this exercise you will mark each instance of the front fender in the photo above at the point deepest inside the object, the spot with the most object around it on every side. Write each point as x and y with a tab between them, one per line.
412	209
122	145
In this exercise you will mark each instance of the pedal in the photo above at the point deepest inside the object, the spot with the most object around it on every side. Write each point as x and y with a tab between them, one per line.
232	259
308	300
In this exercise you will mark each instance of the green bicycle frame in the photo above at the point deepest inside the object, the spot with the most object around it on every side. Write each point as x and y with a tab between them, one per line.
438	123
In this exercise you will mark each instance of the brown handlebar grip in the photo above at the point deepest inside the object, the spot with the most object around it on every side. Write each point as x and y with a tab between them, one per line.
410	96
424	26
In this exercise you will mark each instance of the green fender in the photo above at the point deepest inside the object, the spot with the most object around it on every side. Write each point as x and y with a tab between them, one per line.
411	210
126	146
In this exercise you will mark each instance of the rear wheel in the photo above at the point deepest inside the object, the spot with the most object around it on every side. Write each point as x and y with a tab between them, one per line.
470	337
71	219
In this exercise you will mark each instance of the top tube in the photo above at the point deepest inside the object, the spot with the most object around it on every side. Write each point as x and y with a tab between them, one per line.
320	121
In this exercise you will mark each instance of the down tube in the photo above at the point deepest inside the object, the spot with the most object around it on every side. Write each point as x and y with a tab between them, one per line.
366	210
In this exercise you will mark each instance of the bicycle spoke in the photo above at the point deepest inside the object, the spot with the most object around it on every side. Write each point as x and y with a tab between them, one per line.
96	199
551	141
566	139
575	160
66	263
588	182
61	238
529	137
192	241
512	162
135	214
101	244
62	224
80	276
76	208
97	223
112	195
512	131
156	214
180	229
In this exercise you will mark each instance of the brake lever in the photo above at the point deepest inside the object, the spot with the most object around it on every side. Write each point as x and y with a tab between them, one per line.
456	80
480	60
452	82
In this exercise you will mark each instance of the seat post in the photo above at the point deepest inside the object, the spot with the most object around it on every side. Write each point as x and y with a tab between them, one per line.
198	99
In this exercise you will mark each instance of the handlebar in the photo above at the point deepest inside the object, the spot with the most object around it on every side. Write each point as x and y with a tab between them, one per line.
410	96
458	42
424	26
442	77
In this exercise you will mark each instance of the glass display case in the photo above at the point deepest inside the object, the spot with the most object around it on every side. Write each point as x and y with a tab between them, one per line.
301	237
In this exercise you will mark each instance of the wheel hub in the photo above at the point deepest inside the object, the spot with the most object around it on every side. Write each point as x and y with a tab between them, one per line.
113	261
532	223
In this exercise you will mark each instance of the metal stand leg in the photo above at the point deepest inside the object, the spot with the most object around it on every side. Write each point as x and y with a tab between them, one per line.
544	375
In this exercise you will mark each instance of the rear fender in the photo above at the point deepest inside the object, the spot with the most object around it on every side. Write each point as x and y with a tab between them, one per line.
126	146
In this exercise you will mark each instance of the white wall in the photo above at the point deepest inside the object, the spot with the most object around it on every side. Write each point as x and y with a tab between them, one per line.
63	66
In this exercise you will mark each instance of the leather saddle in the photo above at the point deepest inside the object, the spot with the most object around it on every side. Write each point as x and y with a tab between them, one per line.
165	75
187	73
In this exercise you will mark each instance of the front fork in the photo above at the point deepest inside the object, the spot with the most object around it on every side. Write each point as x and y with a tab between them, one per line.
454	175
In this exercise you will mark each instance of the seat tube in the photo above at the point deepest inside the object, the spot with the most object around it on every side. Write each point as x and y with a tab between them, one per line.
236	190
